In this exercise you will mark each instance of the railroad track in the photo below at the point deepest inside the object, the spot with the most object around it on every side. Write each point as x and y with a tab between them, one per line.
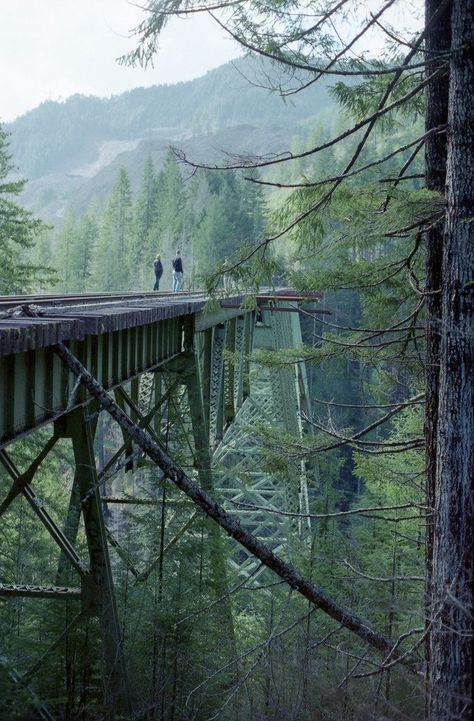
8	302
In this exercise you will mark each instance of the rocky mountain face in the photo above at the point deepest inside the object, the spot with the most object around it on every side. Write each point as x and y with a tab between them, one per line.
71	151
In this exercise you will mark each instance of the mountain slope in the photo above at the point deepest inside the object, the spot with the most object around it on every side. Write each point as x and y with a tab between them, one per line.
71	150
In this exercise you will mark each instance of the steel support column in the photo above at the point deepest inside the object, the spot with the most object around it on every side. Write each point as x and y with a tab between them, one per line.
216	411
240	361
229	373
100	599
206	373
191	377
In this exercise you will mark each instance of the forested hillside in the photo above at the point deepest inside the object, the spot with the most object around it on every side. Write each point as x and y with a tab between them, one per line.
71	150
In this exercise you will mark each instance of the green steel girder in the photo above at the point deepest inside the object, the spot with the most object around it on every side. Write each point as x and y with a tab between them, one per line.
216	399
41	710
33	670
44	516
240	351
122	553
144	575
26	477
98	592
205	320
151	420
36	389
204	350
283	379
22	590
208	355
229	373
238	463
134	501
71	528
202	456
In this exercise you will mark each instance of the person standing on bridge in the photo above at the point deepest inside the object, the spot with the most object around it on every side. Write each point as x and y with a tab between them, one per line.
158	266
177	264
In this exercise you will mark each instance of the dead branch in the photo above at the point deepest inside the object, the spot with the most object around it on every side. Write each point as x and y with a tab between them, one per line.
323	516
390	579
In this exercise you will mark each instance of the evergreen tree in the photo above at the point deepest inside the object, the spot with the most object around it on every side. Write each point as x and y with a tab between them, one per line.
393	228
82	250
112	268
232	218
42	256
64	241
170	230
19	231
145	212
213	236
253	209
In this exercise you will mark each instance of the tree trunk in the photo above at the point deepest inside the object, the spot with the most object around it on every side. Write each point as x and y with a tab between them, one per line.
453	549
438	40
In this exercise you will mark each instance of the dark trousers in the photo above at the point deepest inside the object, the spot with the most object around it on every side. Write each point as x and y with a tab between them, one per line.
157	283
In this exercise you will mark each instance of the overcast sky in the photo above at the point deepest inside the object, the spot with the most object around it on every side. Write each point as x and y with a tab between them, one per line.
50	49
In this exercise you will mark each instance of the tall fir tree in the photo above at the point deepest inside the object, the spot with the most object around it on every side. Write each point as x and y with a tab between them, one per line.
82	250
64	242
171	230
19	231
145	212
112	267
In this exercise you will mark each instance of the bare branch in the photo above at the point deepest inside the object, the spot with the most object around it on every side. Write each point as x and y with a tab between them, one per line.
390	579
295	64
376	115
374	331
419	142
191	10
324	516
410	402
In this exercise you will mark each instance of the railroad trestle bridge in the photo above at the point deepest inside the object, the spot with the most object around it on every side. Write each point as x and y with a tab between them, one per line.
179	370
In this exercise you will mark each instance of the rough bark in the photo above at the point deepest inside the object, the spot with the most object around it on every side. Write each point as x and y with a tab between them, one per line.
450	670
233	528
438	40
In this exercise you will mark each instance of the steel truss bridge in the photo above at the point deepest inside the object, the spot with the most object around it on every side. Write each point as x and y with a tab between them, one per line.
180	368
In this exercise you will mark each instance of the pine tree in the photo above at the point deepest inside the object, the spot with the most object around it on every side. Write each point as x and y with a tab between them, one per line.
19	231
253	209
435	69
112	268
232	217
82	251
64	242
145	212
170	230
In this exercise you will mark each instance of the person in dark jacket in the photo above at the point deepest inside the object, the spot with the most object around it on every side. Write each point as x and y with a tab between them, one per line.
177	264
158	266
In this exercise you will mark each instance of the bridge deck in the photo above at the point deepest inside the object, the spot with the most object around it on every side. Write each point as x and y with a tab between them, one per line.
73	317
65	318
117	337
